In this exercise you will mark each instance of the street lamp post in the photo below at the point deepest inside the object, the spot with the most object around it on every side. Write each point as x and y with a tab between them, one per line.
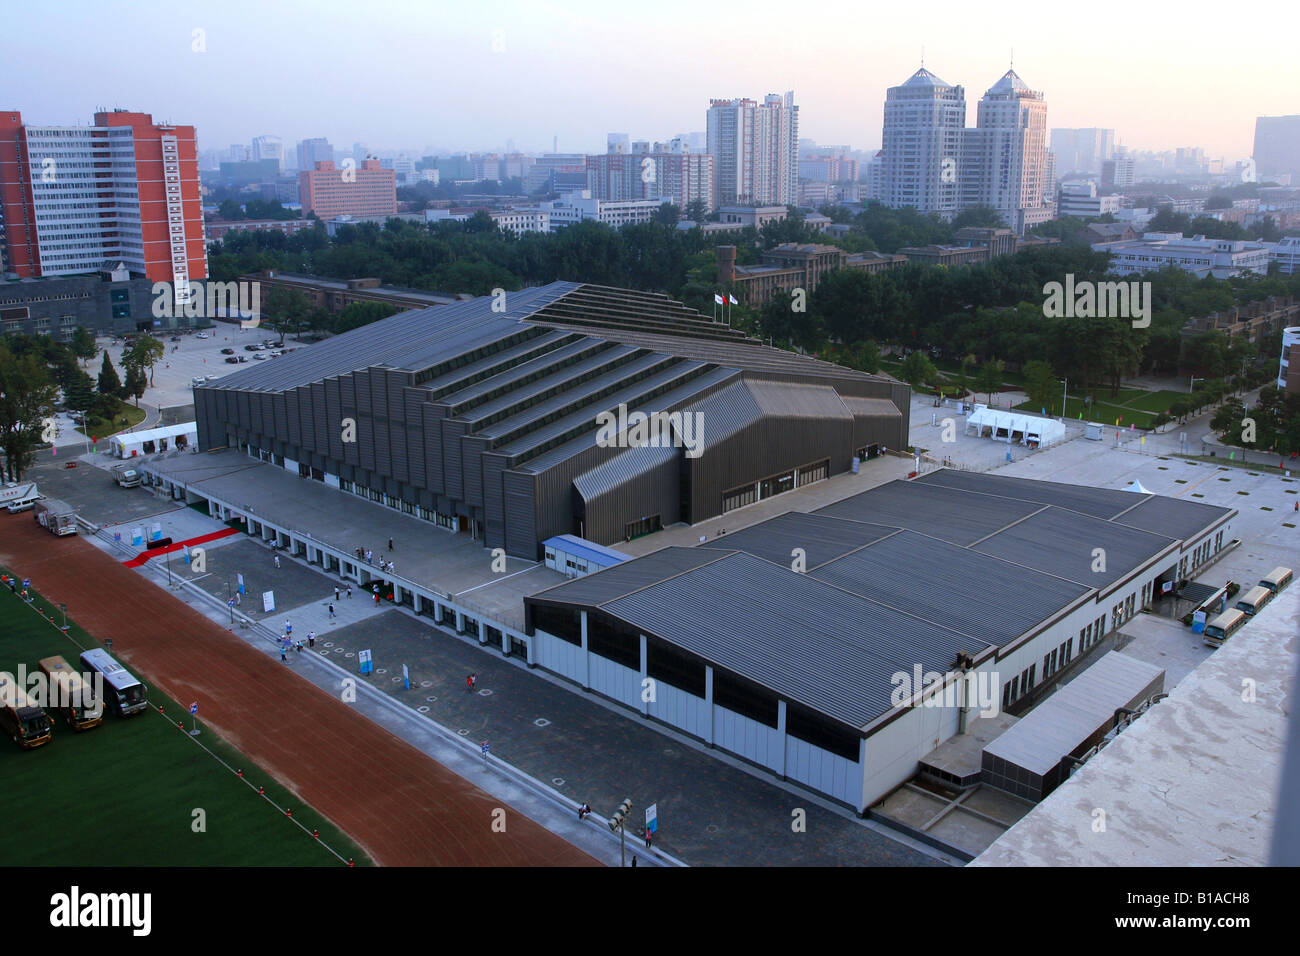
1191	386
64	608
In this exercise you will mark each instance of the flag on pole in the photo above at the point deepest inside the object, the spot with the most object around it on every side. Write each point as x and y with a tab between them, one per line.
732	299
718	300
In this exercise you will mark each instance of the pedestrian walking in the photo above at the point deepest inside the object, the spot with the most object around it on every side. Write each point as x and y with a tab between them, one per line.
336	592
288	627
370	557
649	835
391	568
634	859
390	544
583	810
284	649
469	683
277	560
311	638
298	647
349	592
331	612
376	595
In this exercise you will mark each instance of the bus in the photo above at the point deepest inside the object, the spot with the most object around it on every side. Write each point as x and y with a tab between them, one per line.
26	724
71	694
1254	600
122	692
1223	627
1276	579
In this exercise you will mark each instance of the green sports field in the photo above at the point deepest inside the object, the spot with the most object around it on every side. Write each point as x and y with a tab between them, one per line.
125	792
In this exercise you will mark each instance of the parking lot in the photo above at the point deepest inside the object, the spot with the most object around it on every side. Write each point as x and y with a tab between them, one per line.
191	357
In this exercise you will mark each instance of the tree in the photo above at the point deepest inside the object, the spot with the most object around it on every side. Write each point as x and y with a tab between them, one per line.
26	401
989	378
982	216
135	383
83	344
144	353
696	211
918	369
80	395
1040	383
109	383
668	214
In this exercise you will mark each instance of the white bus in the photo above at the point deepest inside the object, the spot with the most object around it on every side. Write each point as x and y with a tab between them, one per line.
28	725
122	691
1276	579
1223	627
1253	601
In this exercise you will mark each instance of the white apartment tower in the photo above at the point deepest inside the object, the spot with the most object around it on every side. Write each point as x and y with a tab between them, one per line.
1006	154
755	149
922	145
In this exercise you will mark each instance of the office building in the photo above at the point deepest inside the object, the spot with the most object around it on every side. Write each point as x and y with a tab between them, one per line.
269	147
925	120
1008	152
77	200
1080	199
368	190
655	174
579	206
1277	146
1220	258
313	151
1082	150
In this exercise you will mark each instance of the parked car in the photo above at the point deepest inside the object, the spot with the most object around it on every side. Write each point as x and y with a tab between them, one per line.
260	357
232	361
176	338
243	358
250	348
203	335
198	380
227	351
276	353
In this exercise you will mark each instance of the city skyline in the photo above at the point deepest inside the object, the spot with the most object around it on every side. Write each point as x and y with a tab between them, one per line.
462	80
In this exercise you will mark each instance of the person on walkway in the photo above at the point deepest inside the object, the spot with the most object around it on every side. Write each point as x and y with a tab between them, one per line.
288	627
336	592
583	811
331	612
390	544
284	649
470	681
370	557
349	592
649	835
298	647
376	595
311	638
277	560
634	859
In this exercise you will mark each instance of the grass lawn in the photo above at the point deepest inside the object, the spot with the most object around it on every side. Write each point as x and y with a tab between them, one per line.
1133	406
124	793
103	427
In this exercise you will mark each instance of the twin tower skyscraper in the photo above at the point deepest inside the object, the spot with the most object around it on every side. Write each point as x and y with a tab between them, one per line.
936	164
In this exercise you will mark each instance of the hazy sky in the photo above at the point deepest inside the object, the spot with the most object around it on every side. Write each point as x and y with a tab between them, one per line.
471	75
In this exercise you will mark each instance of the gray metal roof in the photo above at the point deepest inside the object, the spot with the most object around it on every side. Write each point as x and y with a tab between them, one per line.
1059	725
1064	543
610	584
1099	502
1172	516
810	642
938	511
955	587
822	539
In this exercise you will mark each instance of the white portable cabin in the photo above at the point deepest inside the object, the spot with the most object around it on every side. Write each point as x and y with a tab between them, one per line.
154	440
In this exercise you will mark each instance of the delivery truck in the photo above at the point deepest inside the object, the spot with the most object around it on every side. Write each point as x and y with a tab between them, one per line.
126	476
57	517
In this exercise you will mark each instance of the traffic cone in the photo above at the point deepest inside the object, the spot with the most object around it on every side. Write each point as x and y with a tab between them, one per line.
261	791
350	863
240	774
180	724
160	710
315	834
289	814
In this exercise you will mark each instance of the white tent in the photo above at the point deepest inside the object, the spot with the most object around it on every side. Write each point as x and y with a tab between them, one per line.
151	440
1009	426
1137	486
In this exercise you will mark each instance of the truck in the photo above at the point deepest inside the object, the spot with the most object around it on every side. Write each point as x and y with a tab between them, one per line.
19	496
57	517
126	476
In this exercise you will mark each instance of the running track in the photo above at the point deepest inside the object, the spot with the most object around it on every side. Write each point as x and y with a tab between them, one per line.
402	807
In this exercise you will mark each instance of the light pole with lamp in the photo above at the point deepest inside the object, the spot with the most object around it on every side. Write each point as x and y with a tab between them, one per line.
64	608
